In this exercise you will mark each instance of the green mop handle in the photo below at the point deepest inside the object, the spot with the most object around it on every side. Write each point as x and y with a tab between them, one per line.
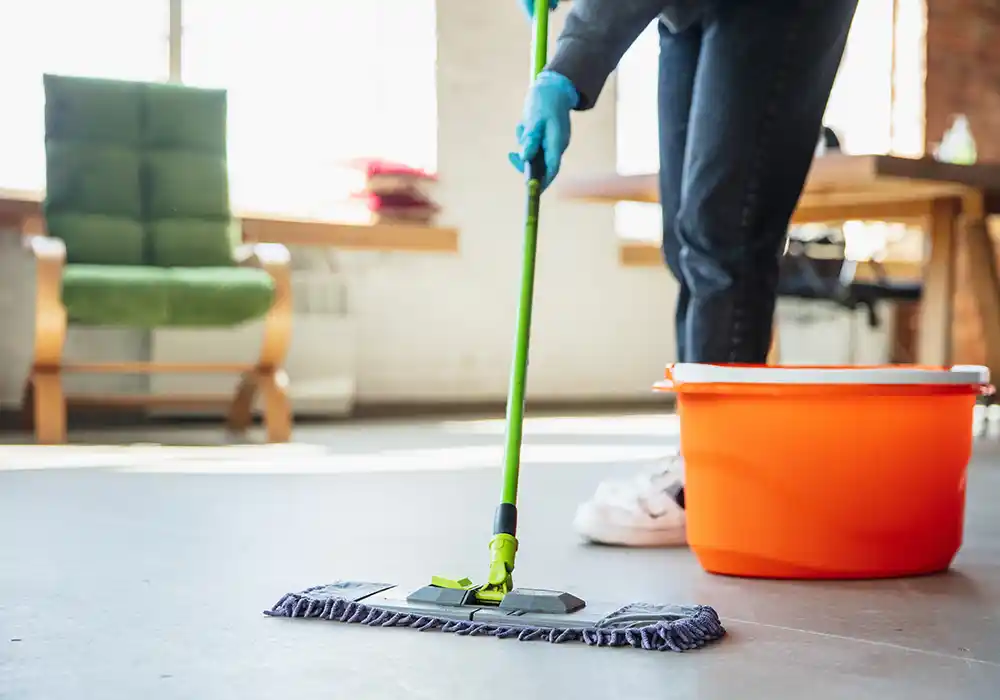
505	521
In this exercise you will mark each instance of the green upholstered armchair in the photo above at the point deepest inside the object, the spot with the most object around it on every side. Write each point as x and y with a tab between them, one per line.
137	231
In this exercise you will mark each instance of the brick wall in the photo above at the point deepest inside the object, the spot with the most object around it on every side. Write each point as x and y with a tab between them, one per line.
963	69
963	76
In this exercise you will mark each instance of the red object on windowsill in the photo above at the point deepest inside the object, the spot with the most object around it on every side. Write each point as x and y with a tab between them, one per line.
377	167
396	192
409	207
406	199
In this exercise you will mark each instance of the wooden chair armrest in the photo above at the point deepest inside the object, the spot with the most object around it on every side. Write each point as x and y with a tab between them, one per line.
263	255
46	250
275	259
50	314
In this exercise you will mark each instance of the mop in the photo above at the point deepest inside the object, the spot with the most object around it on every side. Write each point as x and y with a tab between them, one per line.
496	608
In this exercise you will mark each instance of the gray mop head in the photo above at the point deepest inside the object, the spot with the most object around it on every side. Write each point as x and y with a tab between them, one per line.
639	625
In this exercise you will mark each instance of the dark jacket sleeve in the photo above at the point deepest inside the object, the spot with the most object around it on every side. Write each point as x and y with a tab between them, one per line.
596	35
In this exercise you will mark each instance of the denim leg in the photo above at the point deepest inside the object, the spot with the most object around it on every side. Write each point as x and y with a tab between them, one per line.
678	63
763	80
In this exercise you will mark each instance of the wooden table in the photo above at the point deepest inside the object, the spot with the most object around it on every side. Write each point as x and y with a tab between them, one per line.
18	205
949	200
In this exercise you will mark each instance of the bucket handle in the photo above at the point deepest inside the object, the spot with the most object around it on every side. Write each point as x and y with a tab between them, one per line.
667	383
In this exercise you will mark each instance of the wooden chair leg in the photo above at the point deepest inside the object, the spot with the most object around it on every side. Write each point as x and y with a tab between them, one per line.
241	409
269	378
48	407
277	406
273	387
44	397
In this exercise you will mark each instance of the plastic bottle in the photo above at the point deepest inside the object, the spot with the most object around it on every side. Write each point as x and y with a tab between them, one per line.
958	144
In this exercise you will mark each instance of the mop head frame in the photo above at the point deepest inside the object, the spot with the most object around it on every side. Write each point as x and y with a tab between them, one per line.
524	614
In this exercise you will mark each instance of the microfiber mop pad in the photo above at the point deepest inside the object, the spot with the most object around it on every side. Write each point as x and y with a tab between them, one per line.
639	625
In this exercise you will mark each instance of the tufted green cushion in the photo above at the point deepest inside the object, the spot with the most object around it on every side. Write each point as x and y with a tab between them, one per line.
217	296
94	190
143	296
186	176
183	118
133	156
139	191
99	239
182	185
93	110
93	179
116	295
190	242
188	210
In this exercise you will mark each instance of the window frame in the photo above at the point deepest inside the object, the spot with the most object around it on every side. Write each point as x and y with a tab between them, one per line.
174	38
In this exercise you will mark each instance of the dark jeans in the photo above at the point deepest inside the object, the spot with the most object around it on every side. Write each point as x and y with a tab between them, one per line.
741	99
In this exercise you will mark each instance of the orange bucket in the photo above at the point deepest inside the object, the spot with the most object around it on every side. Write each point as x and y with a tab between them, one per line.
825	472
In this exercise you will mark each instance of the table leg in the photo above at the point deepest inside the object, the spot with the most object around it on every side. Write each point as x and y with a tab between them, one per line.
983	277
937	303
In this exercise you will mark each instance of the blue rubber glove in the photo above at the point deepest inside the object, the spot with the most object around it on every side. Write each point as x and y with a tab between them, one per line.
529	6
545	124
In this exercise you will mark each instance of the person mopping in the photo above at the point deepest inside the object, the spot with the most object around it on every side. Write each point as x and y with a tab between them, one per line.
496	607
743	86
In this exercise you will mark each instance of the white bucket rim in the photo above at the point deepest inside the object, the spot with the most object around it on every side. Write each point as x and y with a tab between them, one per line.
690	373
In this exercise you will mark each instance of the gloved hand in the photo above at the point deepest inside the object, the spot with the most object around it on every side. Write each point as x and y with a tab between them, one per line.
545	125
529	6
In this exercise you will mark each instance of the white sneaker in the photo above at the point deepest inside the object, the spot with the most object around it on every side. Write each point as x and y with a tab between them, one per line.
640	512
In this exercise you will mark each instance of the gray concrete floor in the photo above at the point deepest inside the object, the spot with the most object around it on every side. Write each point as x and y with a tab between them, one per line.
141	572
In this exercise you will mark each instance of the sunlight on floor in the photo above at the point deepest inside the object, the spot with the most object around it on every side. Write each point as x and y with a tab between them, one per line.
295	460
358	448
665	425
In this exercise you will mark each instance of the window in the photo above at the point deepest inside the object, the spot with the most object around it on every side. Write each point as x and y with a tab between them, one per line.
637	149
100	38
312	84
859	108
